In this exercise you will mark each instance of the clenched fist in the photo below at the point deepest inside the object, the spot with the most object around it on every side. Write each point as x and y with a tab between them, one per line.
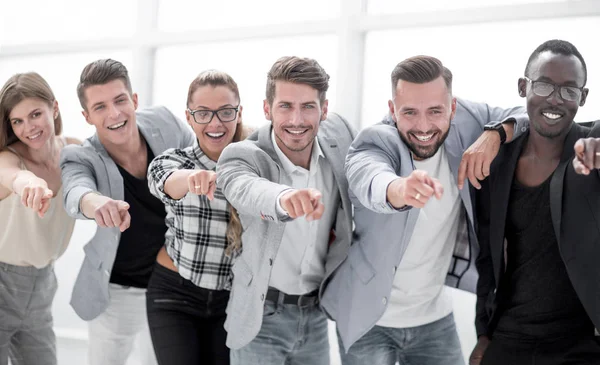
303	202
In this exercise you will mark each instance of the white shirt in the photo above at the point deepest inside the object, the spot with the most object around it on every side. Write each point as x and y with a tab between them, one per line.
299	265
418	293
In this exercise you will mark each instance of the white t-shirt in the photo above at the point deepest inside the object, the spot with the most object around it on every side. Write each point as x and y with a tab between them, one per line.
418	294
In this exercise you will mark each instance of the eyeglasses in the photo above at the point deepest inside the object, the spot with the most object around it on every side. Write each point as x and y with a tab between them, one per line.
205	116
544	89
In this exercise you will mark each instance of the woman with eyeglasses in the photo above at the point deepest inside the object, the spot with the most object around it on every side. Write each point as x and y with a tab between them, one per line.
35	228
189	288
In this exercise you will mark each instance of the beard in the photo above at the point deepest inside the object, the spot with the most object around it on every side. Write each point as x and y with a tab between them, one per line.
424	152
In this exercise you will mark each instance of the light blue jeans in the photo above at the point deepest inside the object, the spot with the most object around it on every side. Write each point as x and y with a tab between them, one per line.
290	335
436	343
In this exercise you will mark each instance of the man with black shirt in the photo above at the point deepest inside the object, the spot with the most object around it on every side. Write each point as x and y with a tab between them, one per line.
539	280
105	179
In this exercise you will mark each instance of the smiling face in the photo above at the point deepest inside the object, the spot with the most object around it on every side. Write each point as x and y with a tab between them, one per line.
551	116
216	135
295	113
32	121
111	109
422	113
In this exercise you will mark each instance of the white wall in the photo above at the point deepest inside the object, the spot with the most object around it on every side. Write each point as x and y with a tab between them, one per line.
166	43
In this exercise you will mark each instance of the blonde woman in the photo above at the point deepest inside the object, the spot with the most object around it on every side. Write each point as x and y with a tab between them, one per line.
35	229
189	288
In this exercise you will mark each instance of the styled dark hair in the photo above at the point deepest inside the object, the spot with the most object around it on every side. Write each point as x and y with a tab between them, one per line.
101	72
298	70
561	47
420	70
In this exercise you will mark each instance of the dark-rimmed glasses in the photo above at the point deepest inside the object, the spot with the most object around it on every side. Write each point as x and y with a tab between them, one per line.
205	116
545	89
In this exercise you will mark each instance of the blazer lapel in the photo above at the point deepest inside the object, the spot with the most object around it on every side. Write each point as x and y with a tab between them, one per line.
115	181
501	182
154	139
330	149
558	177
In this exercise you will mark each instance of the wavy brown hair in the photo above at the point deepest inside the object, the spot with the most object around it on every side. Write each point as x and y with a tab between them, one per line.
219	78
16	89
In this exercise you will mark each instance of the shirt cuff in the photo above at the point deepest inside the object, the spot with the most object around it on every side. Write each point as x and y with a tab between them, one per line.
278	208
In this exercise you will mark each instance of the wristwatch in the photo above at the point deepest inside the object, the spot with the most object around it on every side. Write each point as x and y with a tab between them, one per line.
496	126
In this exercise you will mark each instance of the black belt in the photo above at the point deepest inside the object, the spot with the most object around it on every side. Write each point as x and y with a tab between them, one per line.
303	300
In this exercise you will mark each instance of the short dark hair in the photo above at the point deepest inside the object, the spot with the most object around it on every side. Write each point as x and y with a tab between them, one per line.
561	47
420	70
298	70
101	72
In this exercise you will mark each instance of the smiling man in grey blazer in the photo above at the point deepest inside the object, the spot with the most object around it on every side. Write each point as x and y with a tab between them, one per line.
414	227
288	184
105	179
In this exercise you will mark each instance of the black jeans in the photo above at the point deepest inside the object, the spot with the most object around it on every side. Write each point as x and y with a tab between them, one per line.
565	351
186	321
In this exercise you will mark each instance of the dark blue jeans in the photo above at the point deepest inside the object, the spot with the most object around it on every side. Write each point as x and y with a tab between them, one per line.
435	343
186	321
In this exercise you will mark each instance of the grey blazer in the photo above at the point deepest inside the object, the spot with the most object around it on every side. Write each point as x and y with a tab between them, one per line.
357	295
249	174
89	168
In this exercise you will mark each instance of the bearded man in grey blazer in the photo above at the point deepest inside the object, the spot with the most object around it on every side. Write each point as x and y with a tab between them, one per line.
414	225
288	184
105	179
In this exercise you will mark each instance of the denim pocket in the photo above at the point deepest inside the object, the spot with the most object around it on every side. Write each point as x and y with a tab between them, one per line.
271	309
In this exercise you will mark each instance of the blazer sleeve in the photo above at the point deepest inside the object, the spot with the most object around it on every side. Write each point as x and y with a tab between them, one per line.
485	114
240	180
161	168
370	167
486	283
78	179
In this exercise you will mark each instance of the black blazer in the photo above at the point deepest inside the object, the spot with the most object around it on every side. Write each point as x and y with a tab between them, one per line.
575	209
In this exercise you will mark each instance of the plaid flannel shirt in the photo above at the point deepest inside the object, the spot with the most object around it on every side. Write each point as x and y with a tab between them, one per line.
196	236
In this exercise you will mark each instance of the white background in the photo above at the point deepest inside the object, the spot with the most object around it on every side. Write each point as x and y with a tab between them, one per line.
166	43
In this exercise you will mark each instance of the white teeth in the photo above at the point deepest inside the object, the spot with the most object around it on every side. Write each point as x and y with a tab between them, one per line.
295	132
424	138
552	115
116	126
35	136
216	135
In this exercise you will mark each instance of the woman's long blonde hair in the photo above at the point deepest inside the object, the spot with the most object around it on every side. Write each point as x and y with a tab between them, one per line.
218	78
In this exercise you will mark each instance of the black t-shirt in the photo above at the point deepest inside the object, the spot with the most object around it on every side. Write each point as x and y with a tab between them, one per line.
538	300
141	242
